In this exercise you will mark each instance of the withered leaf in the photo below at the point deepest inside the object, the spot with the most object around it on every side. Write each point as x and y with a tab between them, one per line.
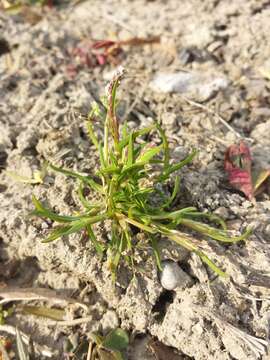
240	173
238	166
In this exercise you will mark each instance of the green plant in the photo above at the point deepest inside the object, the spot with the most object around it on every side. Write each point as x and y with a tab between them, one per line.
4	313
109	347
131	174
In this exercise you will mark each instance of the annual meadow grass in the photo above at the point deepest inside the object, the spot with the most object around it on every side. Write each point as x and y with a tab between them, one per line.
132	172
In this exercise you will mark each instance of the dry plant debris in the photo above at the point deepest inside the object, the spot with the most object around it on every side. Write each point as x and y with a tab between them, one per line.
102	52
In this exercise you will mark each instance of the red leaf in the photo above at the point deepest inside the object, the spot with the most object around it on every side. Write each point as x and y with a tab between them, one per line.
71	71
100	44
238	166
101	59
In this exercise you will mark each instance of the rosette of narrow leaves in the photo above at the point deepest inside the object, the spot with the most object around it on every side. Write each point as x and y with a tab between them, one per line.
132	171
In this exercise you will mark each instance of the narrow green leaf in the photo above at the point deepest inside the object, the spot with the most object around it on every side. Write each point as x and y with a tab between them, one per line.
86	179
103	162
112	169
60	231
172	168
211	264
130	159
98	246
128	172
209	216
113	95
83	199
136	134
165	146
174	193
42	311
125	129
41	211
174	215
156	251
138	149
113	159
117	246
53	216
74	227
214	233
139	225
148	155
113	123
187	244
38	205
127	234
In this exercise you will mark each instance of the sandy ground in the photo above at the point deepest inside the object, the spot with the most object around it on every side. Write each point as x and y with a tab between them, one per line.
42	110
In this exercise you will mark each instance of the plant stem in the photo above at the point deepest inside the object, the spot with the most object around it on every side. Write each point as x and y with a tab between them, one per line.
136	223
106	139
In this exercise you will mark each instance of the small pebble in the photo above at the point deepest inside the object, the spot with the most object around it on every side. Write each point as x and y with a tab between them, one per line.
109	321
222	212
172	276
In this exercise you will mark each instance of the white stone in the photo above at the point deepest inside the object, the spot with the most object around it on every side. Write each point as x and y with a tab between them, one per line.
172	276
198	86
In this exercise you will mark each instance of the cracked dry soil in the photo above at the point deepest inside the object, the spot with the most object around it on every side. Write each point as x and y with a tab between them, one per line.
41	118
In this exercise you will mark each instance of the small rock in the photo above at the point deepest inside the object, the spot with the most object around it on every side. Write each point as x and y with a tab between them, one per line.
198	329
188	55
267	230
197	268
27	139
200	38
197	86
261	133
180	152
109	321
172	276
185	56
169	120
266	205
222	212
5	136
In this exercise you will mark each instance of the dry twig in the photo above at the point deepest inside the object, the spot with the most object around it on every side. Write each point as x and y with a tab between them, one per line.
216	115
28	294
83	320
